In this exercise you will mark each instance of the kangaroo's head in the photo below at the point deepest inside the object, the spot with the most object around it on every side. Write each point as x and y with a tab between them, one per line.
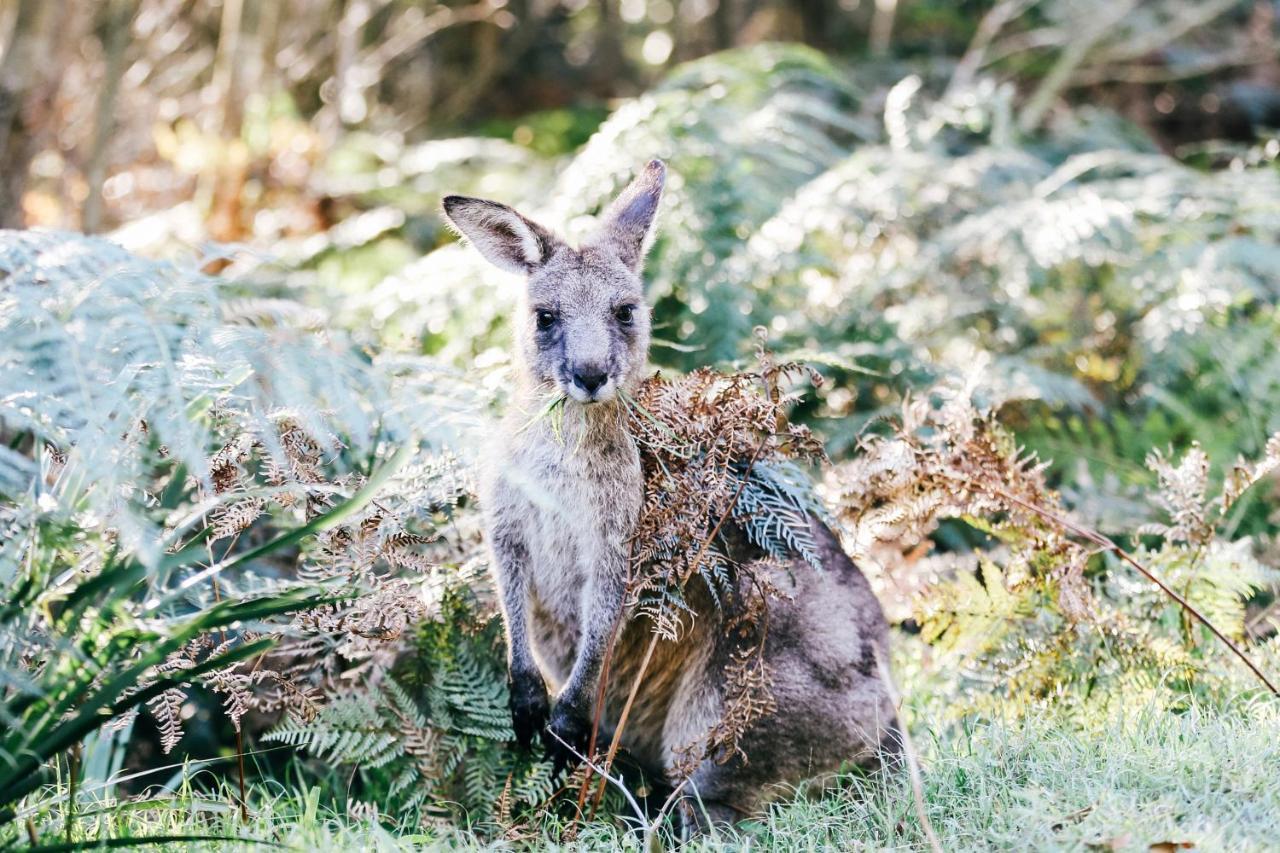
583	324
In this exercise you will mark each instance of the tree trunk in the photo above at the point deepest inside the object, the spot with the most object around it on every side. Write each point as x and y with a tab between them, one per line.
28	87
815	19
117	17
724	24
882	26
607	63
226	76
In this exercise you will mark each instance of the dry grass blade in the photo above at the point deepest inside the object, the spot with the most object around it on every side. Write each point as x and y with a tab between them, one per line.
909	753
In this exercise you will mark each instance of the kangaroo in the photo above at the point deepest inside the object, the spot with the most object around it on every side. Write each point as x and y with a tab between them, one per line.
560	503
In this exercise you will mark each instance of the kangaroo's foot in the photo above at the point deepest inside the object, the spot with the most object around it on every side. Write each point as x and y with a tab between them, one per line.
529	706
696	817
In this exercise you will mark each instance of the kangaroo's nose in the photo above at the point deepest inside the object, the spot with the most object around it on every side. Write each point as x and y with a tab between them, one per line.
590	379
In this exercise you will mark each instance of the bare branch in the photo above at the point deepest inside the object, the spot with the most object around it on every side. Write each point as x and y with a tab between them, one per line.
988	28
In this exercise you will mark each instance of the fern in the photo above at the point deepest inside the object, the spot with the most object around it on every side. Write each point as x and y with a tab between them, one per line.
347	731
1099	298
146	427
435	735
1033	614
1085	271
468	696
775	507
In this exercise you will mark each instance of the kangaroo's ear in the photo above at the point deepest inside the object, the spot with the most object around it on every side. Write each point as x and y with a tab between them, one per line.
504	237
628	223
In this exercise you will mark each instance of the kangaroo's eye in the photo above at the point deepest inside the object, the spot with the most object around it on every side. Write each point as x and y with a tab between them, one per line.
546	320
625	314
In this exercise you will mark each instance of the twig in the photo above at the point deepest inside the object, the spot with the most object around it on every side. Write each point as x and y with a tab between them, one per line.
1149	74
909	753
653	641
650	827
988	28
595	720
1064	74
1267	613
622	720
604	775
1059	76
1106	544
1185	18
410	33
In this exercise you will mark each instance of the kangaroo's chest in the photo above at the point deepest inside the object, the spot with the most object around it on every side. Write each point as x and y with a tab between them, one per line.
578	504
563	536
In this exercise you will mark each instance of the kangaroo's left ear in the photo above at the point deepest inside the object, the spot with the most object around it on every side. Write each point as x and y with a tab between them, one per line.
507	239
627	226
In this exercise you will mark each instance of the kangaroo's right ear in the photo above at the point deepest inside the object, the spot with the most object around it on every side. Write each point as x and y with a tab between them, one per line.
504	237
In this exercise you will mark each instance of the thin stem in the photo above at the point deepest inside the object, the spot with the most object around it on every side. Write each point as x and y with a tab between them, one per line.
604	775
651	826
622	721
217	596
73	774
595	721
244	800
1075	53
1106	543
988	28
601	687
909	753
653	641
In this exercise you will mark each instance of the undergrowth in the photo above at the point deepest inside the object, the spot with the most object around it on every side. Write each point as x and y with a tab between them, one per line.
1199	774
210	489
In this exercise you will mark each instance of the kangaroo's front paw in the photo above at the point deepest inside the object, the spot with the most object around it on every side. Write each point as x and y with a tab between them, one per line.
567	735
529	706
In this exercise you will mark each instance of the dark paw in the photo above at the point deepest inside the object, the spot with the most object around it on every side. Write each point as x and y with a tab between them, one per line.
567	736
529	706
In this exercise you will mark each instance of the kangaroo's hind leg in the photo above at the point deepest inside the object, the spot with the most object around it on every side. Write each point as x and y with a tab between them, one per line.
831	708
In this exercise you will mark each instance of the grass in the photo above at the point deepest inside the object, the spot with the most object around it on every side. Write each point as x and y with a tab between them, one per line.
1201	774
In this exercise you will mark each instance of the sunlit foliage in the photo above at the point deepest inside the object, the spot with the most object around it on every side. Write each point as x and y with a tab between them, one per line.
206	483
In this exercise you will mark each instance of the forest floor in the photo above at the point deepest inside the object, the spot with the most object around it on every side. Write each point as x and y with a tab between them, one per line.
1198	775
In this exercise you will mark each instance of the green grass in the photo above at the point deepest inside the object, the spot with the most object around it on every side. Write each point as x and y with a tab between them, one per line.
1204	775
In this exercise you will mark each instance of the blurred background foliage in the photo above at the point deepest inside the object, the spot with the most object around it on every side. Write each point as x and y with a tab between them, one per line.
1072	206
1083	191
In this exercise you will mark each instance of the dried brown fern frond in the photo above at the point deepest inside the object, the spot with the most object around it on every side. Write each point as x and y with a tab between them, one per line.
233	518
1244	474
723	502
374	567
703	438
1182	493
748	697
945	459
232	683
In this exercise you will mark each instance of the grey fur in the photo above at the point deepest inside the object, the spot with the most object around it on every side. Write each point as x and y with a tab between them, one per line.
561	502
